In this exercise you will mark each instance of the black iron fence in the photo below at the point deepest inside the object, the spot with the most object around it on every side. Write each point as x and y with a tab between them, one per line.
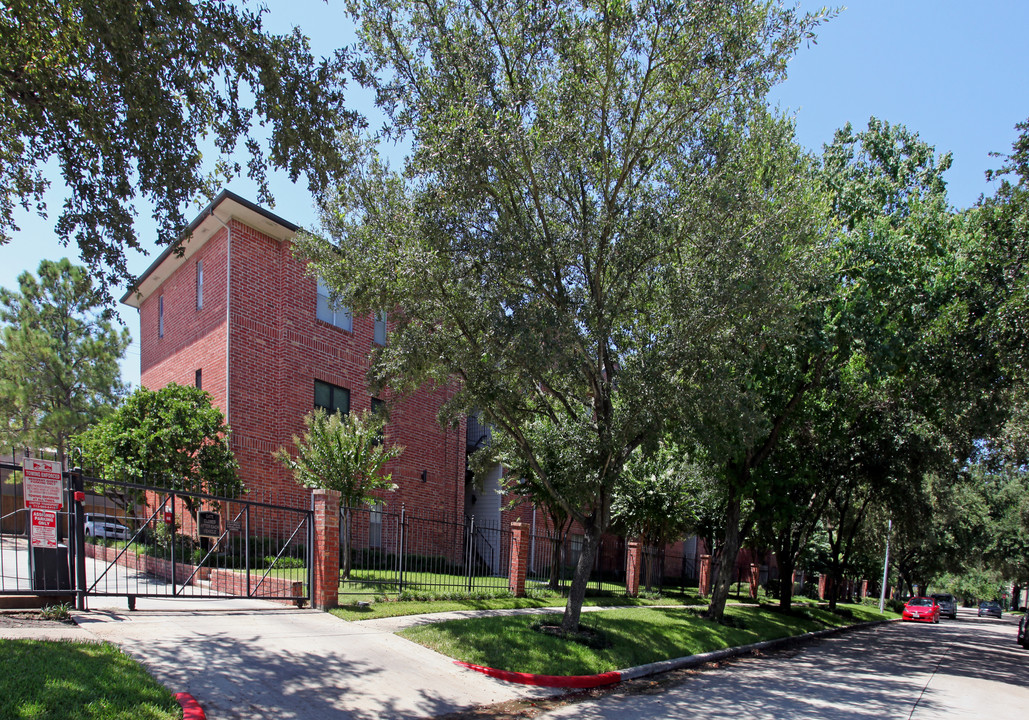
397	553
132	540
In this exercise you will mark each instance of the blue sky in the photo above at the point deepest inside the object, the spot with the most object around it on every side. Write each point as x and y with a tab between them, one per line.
955	71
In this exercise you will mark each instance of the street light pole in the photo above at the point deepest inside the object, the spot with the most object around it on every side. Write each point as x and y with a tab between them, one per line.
886	568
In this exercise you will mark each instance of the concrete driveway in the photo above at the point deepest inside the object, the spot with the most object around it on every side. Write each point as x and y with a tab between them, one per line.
255	660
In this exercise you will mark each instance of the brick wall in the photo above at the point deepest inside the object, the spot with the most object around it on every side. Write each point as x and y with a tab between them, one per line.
277	349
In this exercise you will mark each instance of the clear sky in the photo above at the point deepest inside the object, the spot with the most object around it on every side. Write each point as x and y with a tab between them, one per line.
955	71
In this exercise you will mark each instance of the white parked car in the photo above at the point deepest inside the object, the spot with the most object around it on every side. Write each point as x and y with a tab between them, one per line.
105	527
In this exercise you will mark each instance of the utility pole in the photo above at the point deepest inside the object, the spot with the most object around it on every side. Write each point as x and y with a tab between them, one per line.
886	567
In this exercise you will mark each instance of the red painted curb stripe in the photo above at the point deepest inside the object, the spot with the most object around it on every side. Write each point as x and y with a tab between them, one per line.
562	681
191	709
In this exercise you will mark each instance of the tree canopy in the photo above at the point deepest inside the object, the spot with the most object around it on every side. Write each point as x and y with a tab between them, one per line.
345	453
551	237
125	96
59	354
170	438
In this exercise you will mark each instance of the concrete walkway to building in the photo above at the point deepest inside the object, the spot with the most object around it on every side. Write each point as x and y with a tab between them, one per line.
255	659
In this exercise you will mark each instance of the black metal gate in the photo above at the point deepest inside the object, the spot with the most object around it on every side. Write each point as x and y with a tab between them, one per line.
132	540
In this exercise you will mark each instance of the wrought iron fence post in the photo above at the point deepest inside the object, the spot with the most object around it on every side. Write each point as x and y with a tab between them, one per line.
309	560
175	590
402	550
79	539
246	546
468	550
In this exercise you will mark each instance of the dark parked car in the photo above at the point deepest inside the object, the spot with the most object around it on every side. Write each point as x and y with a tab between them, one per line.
948	605
1023	631
990	609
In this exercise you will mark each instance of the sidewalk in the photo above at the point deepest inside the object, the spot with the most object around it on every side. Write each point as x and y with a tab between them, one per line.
254	659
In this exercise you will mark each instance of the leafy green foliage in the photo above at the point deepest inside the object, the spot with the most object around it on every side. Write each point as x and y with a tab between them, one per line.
59	353
120	95
656	498
169	438
345	453
553	239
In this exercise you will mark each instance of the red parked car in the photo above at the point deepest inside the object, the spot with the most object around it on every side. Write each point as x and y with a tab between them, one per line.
922	609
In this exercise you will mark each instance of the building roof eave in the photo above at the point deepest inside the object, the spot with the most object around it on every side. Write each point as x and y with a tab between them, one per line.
225	207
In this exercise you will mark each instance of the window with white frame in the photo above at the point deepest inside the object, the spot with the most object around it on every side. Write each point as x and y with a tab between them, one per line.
160	316
333	313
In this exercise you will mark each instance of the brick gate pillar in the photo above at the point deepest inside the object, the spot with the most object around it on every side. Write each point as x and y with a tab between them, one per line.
632	569
325	553
822	584
755	578
864	588
519	558
704	582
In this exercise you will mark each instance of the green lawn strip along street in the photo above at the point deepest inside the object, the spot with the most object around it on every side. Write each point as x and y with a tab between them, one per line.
637	636
381	608
45	680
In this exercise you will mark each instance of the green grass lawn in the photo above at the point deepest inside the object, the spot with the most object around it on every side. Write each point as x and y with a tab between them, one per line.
349	610
637	636
78	681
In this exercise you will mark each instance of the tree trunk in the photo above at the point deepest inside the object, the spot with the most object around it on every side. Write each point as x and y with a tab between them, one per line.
577	592
725	560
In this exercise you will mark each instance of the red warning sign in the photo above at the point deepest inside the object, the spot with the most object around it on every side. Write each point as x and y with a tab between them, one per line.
42	483
44	529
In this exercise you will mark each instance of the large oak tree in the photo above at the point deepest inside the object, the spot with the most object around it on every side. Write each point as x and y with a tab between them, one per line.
595	203
122	97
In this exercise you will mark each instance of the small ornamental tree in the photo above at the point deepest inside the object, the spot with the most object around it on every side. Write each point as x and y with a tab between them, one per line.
172	438
346	453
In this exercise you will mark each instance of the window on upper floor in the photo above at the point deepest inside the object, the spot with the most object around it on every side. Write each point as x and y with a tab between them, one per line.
200	284
333	313
331	398
380	328
160	316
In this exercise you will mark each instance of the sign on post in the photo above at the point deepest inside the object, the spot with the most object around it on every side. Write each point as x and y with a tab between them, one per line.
42	484
209	524
44	529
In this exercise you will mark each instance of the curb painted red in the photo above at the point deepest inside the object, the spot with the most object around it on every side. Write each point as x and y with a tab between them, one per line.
191	709
562	681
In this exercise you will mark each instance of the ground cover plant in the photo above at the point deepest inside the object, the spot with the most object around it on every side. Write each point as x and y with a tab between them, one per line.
78	681
634	636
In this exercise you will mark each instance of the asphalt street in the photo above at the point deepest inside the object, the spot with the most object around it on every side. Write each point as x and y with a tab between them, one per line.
965	668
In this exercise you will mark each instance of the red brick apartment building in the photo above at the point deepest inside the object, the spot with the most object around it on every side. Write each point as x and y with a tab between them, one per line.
236	314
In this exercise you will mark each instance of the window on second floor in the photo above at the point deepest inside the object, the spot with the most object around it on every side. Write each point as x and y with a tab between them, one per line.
160	316
380	328
334	314
331	398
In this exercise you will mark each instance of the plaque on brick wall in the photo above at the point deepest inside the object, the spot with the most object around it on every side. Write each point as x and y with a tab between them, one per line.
209	524
233	526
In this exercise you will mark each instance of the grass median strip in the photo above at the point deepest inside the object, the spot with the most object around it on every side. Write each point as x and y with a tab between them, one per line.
634	636
45	680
